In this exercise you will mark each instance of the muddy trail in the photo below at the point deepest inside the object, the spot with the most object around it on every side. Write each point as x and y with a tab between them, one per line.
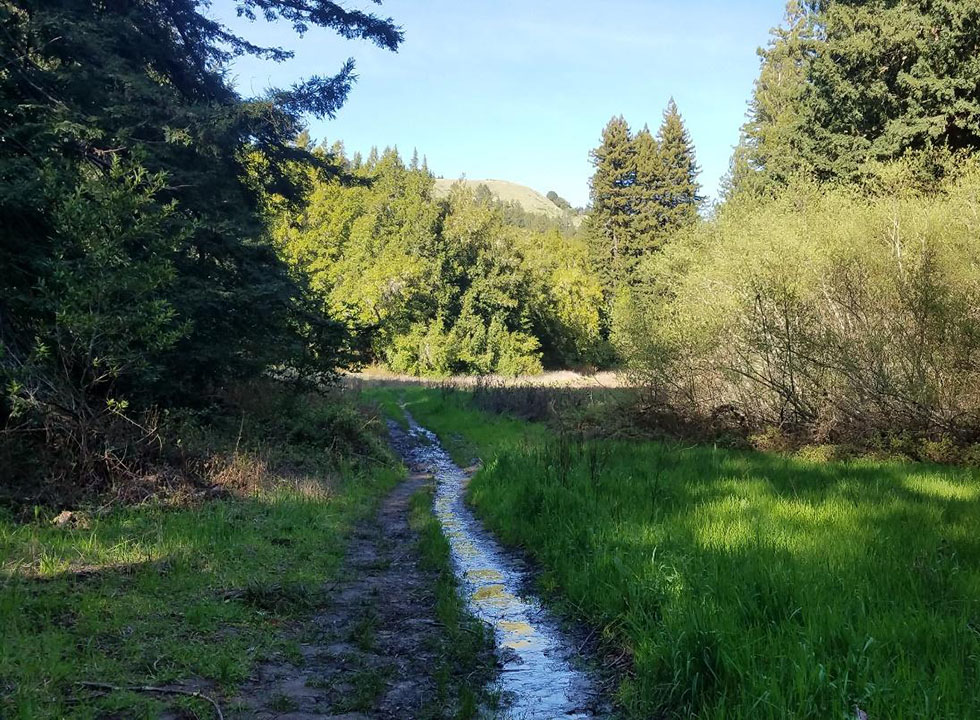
542	675
372	654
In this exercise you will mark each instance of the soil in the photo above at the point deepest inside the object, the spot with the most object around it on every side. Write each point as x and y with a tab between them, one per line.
373	652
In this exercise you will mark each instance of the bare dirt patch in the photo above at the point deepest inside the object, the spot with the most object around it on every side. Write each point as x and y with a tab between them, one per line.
372	653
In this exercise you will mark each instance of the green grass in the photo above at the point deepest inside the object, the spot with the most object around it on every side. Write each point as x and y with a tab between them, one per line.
165	593
464	642
743	584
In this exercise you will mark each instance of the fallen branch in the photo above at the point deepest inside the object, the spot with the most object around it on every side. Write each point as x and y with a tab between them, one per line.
151	689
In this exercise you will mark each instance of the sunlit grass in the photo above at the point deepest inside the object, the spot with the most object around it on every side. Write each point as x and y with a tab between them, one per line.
158	595
745	585
463	641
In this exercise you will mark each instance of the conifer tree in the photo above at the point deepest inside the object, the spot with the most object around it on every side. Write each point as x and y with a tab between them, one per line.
611	194
849	83
136	264
646	188
770	150
892	78
678	194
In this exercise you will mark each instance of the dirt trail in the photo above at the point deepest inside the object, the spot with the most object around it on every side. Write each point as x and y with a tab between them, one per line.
543	676
371	654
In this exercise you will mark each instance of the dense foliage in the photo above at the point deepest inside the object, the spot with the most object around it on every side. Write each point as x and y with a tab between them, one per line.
137	270
462	285
824	308
834	293
644	188
848	84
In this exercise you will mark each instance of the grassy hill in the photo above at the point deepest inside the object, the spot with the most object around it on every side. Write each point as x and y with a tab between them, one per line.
531	200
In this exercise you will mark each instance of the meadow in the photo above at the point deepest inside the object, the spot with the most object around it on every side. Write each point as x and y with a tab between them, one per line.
188	591
740	584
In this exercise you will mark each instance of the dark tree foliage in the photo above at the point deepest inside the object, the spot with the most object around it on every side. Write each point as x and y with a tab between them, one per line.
611	187
559	201
891	78
848	84
675	181
135	264
647	184
771	150
644	189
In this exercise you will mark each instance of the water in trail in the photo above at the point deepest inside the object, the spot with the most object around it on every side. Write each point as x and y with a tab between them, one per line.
538	680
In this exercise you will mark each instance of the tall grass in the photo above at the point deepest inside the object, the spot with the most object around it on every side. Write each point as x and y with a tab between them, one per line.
743	584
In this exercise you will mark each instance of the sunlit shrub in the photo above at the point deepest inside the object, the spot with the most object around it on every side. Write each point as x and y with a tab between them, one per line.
834	310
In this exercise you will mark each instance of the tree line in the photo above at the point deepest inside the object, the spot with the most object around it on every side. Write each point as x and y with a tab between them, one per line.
165	238
644	188
138	270
463	284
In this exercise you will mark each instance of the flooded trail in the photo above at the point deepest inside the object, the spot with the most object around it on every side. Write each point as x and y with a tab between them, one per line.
540	677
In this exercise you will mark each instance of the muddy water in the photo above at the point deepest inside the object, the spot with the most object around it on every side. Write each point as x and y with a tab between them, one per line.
538	680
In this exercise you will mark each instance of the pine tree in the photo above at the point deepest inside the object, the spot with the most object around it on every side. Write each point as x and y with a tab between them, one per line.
770	151
611	194
646	190
678	195
133	243
891	78
850	83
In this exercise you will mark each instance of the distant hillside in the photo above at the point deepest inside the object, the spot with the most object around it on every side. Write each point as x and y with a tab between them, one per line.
531	200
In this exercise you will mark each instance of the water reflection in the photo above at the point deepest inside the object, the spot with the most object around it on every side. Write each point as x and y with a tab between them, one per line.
537	679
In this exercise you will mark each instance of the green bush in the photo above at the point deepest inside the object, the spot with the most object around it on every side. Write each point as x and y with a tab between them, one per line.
839	311
467	347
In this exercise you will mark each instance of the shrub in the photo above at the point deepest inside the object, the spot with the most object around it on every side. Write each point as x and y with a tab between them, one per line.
823	310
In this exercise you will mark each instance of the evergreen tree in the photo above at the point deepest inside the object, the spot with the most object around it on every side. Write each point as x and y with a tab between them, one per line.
559	201
771	150
845	84
677	196
647	188
136	264
892	77
610	220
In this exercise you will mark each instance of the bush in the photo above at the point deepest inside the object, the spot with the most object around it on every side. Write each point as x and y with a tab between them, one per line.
470	347
822	310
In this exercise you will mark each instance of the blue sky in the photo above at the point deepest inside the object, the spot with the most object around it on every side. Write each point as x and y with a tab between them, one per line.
520	90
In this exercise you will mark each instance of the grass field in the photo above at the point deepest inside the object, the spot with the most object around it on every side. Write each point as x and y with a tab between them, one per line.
193	593
743	584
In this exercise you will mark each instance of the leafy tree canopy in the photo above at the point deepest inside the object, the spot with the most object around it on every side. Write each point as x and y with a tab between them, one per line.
137	268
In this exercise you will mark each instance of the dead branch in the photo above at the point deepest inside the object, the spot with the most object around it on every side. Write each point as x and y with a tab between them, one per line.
151	689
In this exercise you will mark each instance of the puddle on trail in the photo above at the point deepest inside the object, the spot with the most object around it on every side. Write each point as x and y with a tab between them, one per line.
537	680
